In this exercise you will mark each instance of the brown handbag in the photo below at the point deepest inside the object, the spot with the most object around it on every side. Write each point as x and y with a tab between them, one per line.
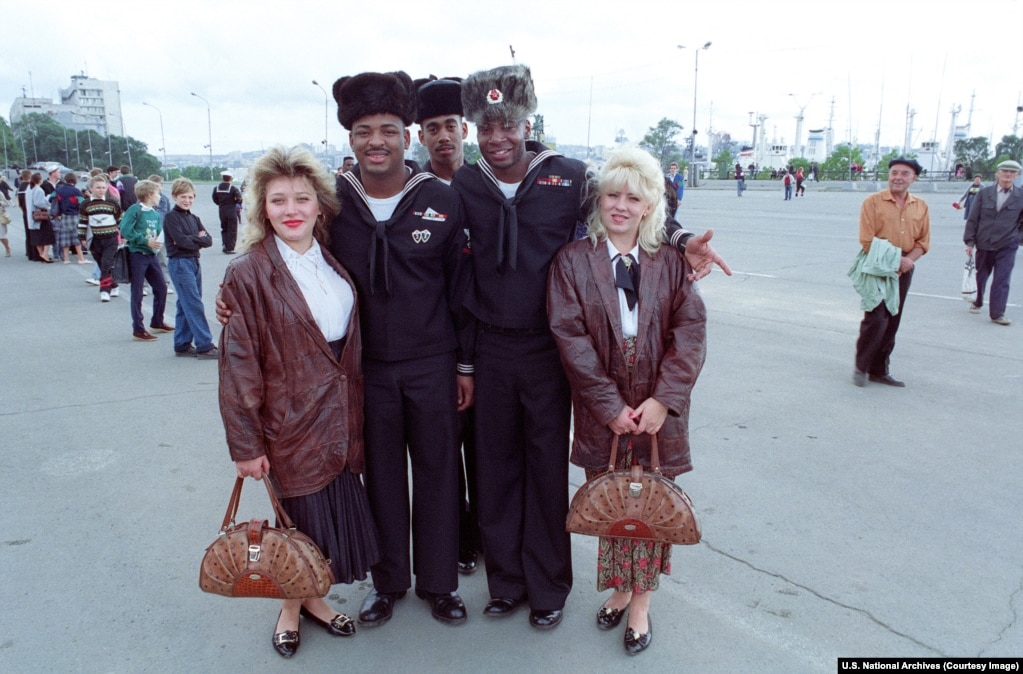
41	216
253	559
634	504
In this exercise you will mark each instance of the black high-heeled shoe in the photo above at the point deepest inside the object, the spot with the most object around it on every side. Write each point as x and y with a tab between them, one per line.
340	625
637	643
285	643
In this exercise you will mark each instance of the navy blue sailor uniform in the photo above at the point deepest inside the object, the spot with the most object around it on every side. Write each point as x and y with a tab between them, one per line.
411	272
523	400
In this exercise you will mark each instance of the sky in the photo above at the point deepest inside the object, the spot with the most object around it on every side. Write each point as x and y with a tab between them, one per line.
599	67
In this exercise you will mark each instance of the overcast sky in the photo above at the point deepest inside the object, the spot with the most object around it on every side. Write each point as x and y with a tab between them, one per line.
598	66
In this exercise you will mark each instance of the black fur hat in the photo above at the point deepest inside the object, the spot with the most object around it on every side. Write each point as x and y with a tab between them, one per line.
374	93
437	97
501	94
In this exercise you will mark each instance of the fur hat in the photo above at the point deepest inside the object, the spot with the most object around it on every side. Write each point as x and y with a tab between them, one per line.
437	97
374	93
502	94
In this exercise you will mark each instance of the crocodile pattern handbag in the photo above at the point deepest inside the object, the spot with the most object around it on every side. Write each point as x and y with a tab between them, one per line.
634	504
253	559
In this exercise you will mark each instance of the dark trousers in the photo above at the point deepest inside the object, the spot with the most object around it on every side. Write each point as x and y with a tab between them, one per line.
228	228
877	333
523	407
411	412
103	249
1001	263
468	491
145	268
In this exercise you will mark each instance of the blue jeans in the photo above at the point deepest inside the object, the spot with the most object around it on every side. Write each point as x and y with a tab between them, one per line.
146	268
1001	263
788	192
190	320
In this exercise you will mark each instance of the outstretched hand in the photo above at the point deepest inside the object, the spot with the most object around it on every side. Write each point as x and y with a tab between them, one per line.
702	257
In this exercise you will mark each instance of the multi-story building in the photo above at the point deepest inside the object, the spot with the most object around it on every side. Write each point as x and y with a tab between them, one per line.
88	104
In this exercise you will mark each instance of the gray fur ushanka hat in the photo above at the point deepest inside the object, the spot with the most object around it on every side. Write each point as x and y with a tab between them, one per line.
501	94
373	93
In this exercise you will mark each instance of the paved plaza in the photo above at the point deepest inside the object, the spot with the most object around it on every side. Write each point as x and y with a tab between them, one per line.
837	521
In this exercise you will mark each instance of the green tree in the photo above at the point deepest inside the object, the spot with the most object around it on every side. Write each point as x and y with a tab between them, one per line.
9	145
471	151
46	140
660	142
725	161
836	167
1009	147
973	153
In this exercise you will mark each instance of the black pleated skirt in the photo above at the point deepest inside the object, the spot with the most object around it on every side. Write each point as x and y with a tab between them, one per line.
338	520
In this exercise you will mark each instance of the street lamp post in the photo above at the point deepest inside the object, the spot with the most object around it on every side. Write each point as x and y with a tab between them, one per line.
209	127
692	149
163	140
326	116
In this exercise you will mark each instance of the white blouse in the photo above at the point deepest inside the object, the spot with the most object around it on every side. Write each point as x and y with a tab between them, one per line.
630	319
329	296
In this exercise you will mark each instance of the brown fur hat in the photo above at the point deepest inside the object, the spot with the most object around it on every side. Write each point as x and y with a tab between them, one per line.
501	94
437	97
373	93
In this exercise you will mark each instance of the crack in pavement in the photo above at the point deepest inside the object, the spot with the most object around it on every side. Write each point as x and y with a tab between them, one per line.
830	600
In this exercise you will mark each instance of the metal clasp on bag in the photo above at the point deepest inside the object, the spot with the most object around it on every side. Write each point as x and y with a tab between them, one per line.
635	489
254	552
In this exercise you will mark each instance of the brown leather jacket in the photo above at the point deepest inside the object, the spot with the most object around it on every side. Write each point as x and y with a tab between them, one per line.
282	392
582	303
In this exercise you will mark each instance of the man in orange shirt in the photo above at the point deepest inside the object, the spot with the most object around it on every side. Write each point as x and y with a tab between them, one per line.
903	220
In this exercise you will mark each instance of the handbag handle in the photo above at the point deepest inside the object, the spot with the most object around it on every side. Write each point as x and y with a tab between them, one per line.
236	497
655	458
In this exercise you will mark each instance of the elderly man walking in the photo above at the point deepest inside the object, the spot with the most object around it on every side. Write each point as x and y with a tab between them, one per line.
993	227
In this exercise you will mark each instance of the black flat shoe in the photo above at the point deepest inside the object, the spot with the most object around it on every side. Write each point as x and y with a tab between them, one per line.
285	643
377	607
637	643
544	619
499	607
610	618
447	607
340	625
467	562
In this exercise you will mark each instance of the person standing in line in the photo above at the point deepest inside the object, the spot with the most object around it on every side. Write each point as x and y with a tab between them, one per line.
126	186
442	131
631	330
227	197
98	218
184	237
24	186
69	198
142	230
41	229
993	229
902	220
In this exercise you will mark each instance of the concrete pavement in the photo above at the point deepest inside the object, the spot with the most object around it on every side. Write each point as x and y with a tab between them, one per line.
837	521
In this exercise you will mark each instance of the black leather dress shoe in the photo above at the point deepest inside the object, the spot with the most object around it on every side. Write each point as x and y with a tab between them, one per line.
467	562
447	607
886	379
377	607
609	618
285	643
340	625
637	643
499	607
545	619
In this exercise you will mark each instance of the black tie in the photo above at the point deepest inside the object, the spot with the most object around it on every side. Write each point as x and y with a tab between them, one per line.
627	278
